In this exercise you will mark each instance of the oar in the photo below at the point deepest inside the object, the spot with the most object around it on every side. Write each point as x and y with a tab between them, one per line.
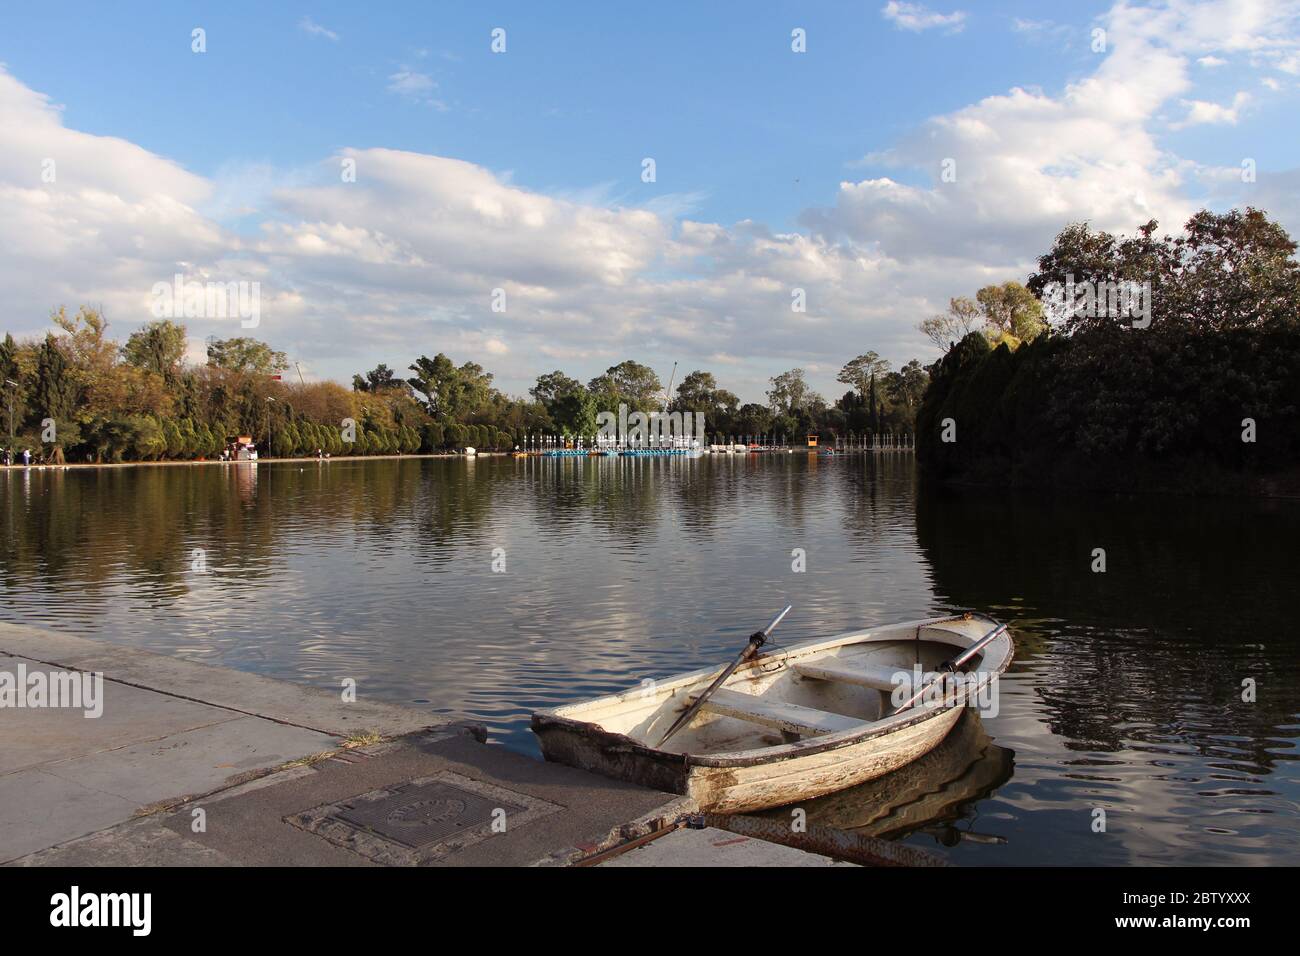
756	640
954	665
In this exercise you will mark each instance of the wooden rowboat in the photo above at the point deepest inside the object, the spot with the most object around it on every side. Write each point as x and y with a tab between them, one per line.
789	725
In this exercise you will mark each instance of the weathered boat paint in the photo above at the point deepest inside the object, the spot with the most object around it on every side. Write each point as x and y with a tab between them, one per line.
730	764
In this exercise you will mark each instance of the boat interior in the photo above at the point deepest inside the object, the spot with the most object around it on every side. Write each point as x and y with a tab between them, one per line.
782	697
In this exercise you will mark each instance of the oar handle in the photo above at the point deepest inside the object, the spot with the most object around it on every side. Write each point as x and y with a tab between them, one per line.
759	638
776	620
955	663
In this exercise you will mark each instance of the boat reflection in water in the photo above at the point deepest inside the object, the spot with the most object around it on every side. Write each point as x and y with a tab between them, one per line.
933	795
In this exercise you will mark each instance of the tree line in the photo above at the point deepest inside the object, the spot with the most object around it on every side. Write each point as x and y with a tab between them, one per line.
1197	395
79	395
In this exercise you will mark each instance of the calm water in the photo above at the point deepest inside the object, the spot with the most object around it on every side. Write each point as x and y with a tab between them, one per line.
1125	693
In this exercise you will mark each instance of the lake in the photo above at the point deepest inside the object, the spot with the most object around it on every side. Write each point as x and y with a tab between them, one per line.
1126	693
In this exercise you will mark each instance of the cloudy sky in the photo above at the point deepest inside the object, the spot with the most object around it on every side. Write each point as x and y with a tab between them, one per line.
126	157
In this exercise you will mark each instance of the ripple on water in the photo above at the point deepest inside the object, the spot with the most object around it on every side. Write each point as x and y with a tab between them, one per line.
1126	695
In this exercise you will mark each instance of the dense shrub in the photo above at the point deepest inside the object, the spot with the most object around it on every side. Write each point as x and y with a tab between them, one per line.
1106	407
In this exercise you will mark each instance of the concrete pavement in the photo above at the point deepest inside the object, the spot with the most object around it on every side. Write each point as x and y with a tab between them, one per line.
169	730
195	765
712	847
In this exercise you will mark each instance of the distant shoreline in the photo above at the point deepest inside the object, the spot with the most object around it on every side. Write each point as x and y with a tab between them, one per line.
216	461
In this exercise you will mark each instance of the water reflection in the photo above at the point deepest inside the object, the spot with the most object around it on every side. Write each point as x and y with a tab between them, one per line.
937	795
1138	674
1125	695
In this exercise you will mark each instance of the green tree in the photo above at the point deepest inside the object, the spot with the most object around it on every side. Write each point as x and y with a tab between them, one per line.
431	437
56	392
906	387
1010	309
699	394
754	419
174	443
158	347
380	379
1232	270
245	355
859	372
627	382
575	413
790	394
13	396
552	386
450	393
189	438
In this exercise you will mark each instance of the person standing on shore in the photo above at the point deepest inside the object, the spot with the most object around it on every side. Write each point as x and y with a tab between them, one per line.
27	457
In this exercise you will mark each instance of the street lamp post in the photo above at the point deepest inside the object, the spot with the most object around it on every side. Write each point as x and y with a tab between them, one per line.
269	400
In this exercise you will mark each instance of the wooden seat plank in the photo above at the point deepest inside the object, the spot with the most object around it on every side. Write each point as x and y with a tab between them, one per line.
876	676
792	718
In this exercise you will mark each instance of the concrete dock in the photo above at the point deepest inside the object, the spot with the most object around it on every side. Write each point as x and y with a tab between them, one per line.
190	764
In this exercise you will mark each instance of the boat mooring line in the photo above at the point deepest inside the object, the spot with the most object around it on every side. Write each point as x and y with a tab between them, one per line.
598	858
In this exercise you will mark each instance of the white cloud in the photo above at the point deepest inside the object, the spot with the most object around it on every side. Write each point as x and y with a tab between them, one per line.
308	26
1027	162
916	17
1211	62
414	86
1289	64
114	220
1204	112
405	259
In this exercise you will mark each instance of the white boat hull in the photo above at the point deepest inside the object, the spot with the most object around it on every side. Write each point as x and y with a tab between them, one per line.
751	750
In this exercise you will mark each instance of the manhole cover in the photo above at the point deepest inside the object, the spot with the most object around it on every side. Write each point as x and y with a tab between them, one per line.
423	821
416	816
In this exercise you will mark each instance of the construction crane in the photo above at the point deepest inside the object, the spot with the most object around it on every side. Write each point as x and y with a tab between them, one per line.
668	392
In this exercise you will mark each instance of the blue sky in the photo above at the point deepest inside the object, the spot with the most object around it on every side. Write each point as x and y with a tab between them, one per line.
750	140
711	91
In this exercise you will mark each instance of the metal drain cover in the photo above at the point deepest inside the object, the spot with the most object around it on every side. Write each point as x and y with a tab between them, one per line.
422	821
417	815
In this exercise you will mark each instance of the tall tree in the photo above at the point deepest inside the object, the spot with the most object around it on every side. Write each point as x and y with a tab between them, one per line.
245	355
1232	270
906	387
12	392
1010	309
947	328
859	372
56	392
553	386
629	382
158	347
699	394
791	394
379	379
450	393
574	412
